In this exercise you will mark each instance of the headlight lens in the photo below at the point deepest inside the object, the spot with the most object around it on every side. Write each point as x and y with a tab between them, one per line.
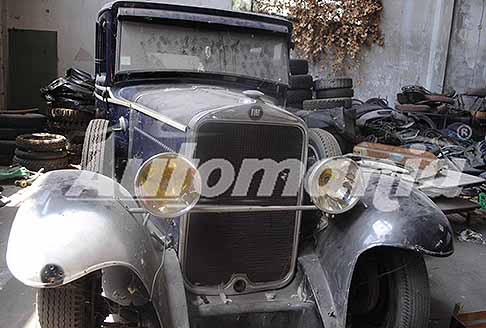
168	185
335	184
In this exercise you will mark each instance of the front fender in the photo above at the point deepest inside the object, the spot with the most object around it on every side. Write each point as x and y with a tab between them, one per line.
75	223
391	214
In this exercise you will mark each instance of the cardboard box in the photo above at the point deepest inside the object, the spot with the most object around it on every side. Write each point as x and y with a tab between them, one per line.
416	159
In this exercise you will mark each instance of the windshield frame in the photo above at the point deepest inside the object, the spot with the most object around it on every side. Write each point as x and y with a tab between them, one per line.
208	26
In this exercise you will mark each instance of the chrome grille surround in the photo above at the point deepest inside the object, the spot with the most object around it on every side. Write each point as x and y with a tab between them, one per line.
274	116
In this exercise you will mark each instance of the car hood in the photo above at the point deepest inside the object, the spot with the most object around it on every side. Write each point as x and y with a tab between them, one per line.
181	102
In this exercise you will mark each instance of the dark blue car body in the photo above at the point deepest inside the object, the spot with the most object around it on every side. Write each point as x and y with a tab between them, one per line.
161	111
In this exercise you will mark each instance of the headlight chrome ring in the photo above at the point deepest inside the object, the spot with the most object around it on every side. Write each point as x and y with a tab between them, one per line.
168	185
335	184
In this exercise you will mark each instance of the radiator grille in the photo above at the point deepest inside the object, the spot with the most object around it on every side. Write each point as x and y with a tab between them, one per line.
258	245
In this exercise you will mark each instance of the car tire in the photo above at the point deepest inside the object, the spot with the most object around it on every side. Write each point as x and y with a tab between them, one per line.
318	104
47	156
301	82
53	125
95	148
76	137
75	148
7	147
75	159
75	152
12	134
68	306
80	75
345	146
40	142
299	66
335	93
70	115
337	83
298	96
406	284
294	107
323	144
409	108
6	160
23	121
47	165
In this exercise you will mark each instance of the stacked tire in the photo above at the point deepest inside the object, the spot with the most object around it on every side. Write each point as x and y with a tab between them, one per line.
72	124
13	125
300	84
71	103
41	151
331	93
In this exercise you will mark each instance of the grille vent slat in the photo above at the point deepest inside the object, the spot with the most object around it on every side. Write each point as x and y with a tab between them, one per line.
259	245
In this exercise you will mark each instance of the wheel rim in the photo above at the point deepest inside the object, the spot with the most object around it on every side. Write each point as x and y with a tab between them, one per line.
313	155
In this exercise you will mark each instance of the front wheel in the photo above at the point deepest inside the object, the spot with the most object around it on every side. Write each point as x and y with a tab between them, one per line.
390	289
322	145
75	305
97	155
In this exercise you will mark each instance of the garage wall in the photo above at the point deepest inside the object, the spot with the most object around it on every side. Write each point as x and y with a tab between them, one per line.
3	50
426	42
436	43
467	55
74	20
417	37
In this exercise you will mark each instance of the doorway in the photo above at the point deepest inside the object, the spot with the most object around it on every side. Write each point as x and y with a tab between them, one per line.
32	64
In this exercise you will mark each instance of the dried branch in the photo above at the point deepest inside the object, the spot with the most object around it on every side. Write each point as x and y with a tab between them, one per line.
343	27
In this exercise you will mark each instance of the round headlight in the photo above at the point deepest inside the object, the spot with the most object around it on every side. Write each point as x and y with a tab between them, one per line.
168	185
334	185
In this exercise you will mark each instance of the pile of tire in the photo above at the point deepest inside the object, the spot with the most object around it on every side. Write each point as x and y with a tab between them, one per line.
331	93
72	124
300	84
41	151
13	125
75	90
71	104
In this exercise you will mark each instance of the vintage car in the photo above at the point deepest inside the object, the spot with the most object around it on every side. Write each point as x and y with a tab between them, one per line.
204	203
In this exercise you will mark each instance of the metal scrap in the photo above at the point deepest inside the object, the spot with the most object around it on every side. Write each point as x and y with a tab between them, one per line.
471	236
467	320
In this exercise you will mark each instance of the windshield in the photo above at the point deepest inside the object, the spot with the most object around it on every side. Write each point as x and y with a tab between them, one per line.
152	47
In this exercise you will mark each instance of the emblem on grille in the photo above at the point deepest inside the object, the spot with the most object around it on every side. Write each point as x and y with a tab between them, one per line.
255	113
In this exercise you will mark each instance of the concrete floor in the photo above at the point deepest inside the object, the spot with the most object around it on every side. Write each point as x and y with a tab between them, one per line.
16	300
460	278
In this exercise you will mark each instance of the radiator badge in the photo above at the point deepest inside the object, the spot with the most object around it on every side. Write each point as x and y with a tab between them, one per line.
255	113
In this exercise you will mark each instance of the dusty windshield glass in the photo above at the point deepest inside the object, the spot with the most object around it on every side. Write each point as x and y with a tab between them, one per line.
152	47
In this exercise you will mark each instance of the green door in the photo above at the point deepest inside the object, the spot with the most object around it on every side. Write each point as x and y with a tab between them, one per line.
32	64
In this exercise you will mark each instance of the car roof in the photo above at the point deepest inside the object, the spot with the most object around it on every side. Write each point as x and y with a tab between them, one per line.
158	5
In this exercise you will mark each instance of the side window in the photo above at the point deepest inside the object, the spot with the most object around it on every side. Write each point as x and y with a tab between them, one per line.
100	60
